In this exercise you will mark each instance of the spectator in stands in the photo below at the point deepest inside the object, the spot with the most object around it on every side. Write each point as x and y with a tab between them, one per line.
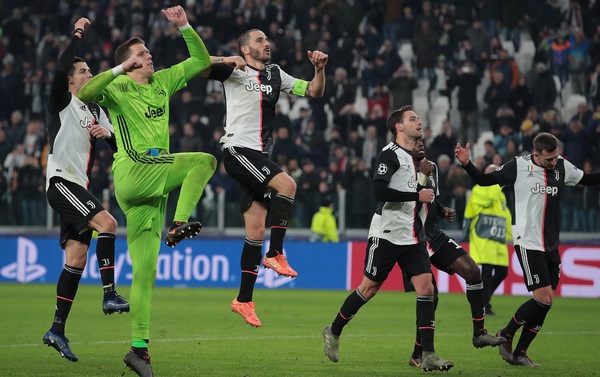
480	40
191	141
359	195
467	80
424	47
443	143
495	96
284	148
371	146
392	21
559	52
512	19
591	202
529	130
543	88
347	119
501	139
401	86
575	143
6	145
341	92
508	67
307	195
578	61
594	92
521	98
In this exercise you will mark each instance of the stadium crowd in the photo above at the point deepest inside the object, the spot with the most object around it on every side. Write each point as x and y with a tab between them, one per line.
515	68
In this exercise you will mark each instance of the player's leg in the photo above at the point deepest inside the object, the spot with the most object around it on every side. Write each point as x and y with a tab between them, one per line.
380	258
466	267
282	202
66	289
500	273
254	219
106	226
541	275
144	225
191	172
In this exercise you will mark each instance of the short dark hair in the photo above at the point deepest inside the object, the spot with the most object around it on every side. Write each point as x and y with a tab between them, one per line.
397	117
545	141
76	60
244	39
122	52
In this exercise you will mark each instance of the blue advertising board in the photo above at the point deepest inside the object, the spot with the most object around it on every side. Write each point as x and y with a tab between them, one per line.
193	263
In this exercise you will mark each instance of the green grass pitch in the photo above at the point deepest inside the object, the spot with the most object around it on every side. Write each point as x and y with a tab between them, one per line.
194	333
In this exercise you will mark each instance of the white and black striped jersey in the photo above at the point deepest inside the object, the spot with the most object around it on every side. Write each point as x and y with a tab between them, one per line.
397	222
71	154
430	213
536	219
250	97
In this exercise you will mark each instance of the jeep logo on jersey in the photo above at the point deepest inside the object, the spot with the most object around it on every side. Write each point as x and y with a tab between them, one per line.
86	123
412	183
155	113
256	87
550	190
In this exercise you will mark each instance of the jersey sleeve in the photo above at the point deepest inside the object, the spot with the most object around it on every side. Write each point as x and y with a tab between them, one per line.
507	173
572	174
220	72
292	85
172	79
387	164
95	90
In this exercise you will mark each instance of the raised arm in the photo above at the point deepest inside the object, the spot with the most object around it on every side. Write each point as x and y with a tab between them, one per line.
92	91
60	85
463	156
316	87
199	58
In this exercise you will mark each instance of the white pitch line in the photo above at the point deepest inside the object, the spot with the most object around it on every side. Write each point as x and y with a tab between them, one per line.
236	338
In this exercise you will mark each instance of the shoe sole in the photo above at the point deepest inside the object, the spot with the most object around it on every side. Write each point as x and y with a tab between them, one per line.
442	368
280	273
241	315
50	343
113	311
192	230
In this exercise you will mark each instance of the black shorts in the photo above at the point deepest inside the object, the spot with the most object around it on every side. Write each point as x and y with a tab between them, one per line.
76	206
540	268
382	255
253	170
448	252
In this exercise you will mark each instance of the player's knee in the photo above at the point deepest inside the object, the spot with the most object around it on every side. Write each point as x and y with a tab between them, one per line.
212	162
472	274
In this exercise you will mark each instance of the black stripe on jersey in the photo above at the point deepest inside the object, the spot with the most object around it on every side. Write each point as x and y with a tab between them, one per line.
135	156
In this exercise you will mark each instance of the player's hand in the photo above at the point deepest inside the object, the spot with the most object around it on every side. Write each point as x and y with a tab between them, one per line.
426	196
449	214
176	15
318	59
82	24
426	167
462	154
99	132
236	62
132	63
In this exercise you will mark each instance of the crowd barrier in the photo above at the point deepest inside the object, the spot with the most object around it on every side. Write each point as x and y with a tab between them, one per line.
215	263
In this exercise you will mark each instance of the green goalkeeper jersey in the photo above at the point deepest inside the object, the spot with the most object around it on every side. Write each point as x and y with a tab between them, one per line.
140	113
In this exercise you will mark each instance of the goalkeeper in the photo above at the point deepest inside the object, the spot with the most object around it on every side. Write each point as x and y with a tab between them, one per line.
144	171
